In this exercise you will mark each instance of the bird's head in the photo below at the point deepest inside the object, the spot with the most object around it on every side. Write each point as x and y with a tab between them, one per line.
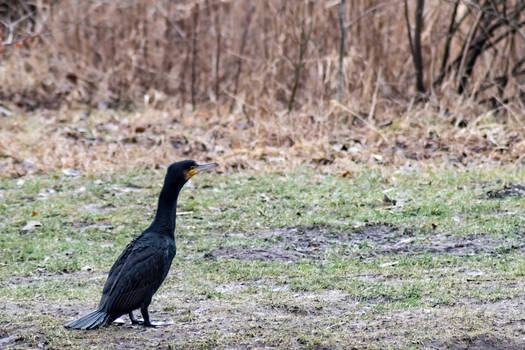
180	172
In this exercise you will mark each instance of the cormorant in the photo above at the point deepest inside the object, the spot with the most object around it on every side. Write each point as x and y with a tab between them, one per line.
143	265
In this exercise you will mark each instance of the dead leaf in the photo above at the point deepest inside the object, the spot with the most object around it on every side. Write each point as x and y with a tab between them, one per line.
388	200
347	173
377	157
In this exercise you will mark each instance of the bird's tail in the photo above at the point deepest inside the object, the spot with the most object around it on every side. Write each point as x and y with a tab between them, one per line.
92	320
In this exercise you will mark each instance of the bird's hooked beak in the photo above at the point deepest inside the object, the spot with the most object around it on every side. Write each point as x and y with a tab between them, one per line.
200	168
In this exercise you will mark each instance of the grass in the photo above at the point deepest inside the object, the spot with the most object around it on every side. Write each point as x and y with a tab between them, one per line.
385	290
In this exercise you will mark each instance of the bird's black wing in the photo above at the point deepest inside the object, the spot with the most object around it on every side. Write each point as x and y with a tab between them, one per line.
140	272
114	272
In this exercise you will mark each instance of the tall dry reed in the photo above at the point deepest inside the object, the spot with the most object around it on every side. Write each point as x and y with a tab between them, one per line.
269	54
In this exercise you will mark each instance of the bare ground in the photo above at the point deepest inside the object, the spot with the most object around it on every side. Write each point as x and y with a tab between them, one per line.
242	324
292	243
287	318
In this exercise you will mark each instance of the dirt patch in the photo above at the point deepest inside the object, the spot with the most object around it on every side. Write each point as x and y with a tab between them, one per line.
8	339
480	342
282	244
245	320
252	254
293	243
449	244
44	277
384	239
510	190
96	208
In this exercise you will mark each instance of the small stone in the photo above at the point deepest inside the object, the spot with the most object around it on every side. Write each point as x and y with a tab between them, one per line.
71	172
28	164
31	225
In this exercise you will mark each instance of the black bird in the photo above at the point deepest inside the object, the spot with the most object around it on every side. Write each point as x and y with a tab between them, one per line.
143	265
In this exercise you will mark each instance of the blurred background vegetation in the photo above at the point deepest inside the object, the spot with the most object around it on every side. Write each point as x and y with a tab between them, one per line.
296	70
264	54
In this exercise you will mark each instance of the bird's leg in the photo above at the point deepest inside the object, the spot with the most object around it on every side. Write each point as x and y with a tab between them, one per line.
133	319
145	316
148	323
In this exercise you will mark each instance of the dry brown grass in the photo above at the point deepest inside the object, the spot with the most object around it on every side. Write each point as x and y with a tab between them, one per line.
172	53
332	139
163	59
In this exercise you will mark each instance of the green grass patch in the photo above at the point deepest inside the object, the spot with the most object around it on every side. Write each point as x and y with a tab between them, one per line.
311	300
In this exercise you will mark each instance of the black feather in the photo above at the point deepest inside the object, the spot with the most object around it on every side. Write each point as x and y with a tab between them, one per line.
143	265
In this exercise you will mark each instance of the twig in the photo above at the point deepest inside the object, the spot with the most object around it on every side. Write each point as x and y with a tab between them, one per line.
418	58
241	51
342	31
194	53
265	30
303	45
11	26
520	6
439	80
459	73
370	126
217	51
374	97
409	29
369	11
415	43
451	31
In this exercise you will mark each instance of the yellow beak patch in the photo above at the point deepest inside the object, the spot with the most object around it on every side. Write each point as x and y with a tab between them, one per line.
190	173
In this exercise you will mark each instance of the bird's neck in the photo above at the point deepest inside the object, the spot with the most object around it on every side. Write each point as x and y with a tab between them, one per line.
165	218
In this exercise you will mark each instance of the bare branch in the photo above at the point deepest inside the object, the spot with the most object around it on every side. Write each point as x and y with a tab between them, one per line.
303	45
194	56
415	43
218	33
241	52
342	31
418	57
451	30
